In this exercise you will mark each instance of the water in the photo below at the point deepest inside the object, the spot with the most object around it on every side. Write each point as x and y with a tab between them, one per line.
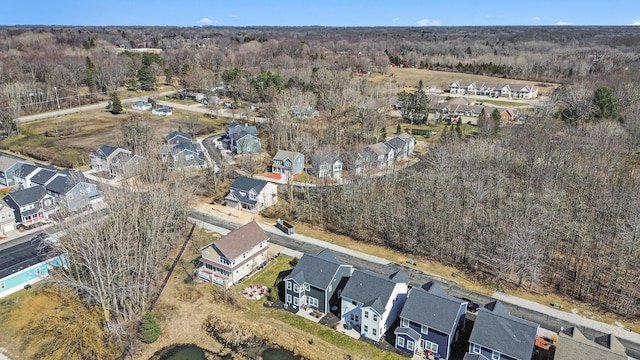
184	352
278	354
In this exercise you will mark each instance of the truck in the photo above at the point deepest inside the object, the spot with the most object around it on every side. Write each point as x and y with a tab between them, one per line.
285	226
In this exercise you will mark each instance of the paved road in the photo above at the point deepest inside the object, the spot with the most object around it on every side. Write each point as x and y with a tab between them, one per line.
100	105
416	277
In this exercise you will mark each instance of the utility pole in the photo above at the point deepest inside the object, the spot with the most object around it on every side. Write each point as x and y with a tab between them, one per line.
57	98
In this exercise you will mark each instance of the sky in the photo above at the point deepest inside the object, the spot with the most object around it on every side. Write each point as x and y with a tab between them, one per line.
320	12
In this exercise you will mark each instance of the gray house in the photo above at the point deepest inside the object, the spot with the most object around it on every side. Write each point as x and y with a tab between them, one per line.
430	321
380	155
326	165
182	155
7	218
106	157
176	137
251	194
400	148
8	166
73	191
243	139
31	205
287	163
499	335
572	344
316	282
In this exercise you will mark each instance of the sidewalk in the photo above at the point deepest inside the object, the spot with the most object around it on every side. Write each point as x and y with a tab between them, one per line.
575	319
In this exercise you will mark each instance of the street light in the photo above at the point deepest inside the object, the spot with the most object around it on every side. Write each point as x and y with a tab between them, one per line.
57	98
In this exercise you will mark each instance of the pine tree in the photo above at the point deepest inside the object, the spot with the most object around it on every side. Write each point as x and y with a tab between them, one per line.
149	329
90	74
116	104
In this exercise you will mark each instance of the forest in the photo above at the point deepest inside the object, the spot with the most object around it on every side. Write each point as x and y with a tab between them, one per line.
546	205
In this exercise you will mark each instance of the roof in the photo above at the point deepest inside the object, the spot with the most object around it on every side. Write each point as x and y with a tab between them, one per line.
43	176
8	161
432	308
107	150
372	289
240	240
378	149
174	134
61	184
234	129
19	257
27	196
244	183
176	149
468	356
25	169
316	270
498	330
406	137
407	331
395	143
285	154
572	344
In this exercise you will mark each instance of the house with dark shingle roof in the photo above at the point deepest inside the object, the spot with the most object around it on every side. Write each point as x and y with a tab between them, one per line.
381	155
371	302
31	205
176	137
229	259
183	155
8	166
110	159
243	139
469	356
430	321
499	335
252	194
73	191
316	282
287	162
326	165
572	344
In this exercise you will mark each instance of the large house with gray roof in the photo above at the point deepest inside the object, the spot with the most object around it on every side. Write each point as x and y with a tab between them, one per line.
371	302
8	166
229	259
430	321
287	163
73	191
572	344
316	282
243	139
31	205
251	194
498	335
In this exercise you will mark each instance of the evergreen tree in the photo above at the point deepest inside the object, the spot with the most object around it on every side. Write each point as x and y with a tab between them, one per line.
383	133
606	104
168	76
90	74
398	129
116	104
149	329
146	78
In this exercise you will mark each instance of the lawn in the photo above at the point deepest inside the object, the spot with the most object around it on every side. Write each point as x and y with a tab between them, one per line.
67	140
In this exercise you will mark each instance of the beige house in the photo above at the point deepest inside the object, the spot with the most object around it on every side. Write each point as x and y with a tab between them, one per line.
229	259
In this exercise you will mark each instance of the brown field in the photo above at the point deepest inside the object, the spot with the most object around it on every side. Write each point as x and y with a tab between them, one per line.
87	131
409	78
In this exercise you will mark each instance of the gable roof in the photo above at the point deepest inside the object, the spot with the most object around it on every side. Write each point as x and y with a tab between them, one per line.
498	330
240	240
395	143
244	183
175	134
27	196
106	150
316	270
236	131
25	169
372	289
43	176
433	308
572	344
176	149
61	184
285	154
469	356
8	161
406	137
378	148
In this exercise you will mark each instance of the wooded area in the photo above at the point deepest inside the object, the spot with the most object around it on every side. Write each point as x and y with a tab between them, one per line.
549	205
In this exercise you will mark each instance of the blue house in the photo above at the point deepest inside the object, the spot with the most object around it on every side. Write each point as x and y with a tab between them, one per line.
176	137
243	139
25	264
73	191
498	335
316	282
371	302
8	166
287	163
430	321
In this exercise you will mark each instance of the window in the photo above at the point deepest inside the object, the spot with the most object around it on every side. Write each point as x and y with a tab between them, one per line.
495	355
366	314
288	299
351	317
366	329
400	341
2	216
295	288
424	330
404	323
475	349
307	287
375	317
354	303
47	202
410	345
288	285
38	271
189	157
295	301
428	345
312	301
375	331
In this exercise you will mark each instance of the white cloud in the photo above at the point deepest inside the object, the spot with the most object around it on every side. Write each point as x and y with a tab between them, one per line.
537	18
635	22
395	19
205	21
562	23
233	16
426	22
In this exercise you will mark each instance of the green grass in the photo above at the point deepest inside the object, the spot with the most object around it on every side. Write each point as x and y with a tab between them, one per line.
303	177
501	103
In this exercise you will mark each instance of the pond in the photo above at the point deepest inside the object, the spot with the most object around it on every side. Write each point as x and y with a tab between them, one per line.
193	352
278	354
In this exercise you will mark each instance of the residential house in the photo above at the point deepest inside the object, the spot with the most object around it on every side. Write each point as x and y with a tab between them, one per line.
430	321
252	194
24	264
41	176
498	335
162	111
381	155
400	148
459	87
572	344
357	162
518	91
410	141
371	302
182	155
73	191
7	218
8	166
469	356
316	282
303	113
326	165
243	139
177	137
287	163
23	174
508	114
141	105
229	259
117	161
31	205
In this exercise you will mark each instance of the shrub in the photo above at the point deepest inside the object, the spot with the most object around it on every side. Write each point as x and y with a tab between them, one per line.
149	329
